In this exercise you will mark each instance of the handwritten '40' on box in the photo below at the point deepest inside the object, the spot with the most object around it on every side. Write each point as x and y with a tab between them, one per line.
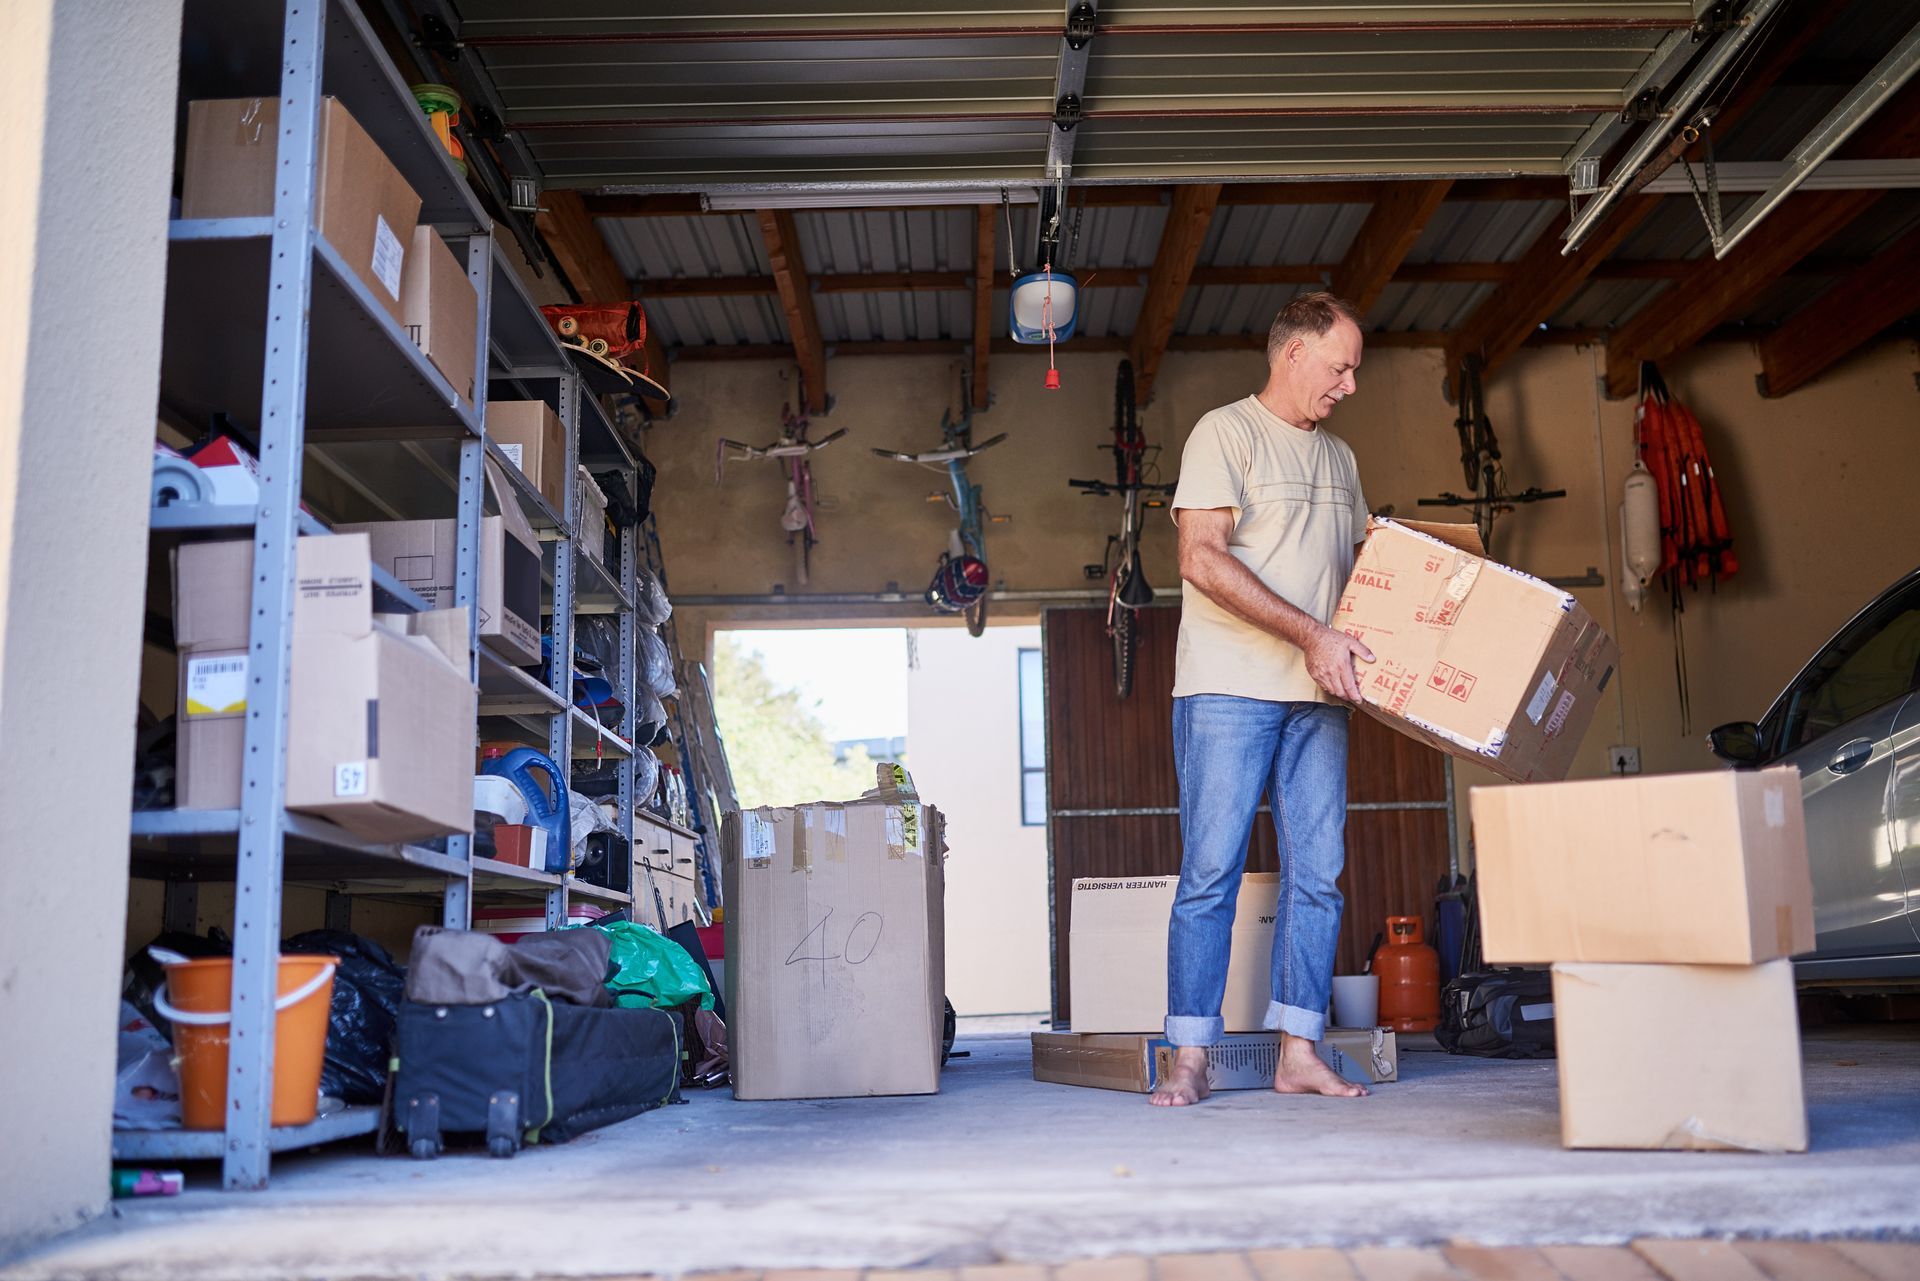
1472	657
836	946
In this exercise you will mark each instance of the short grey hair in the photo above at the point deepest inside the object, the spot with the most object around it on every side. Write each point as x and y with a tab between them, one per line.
1314	313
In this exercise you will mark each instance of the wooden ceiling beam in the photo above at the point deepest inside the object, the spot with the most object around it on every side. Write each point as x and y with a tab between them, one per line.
1186	231
796	299
1399	215
1876	296
983	241
582	254
1109	343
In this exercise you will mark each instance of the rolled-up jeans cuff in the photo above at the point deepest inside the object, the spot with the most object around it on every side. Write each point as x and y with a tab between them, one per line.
1194	1030
1291	1019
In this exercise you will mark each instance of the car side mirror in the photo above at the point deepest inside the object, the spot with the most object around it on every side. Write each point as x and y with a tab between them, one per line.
1737	742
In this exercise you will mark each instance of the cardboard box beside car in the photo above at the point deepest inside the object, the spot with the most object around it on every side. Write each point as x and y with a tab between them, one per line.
364	207
1472	657
381	711
835	946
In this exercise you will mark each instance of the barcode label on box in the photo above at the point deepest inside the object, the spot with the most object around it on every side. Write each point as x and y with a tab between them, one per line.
350	778
514	453
216	686
388	254
1542	698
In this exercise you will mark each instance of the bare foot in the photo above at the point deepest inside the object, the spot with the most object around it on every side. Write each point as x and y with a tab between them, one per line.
1303	1071
1188	1081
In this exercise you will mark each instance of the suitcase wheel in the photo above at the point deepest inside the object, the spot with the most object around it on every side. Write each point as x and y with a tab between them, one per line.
423	1126
503	1124
424	1149
501	1148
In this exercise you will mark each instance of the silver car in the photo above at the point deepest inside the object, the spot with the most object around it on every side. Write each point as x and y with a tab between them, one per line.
1850	723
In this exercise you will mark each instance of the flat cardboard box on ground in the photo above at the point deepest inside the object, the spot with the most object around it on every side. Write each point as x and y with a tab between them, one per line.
1702	869
1137	1063
365	208
1471	657
381	713
534	439
835	944
424	555
1679	1056
440	309
1117	936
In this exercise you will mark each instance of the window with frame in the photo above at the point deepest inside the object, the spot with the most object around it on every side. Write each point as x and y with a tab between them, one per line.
1877	662
1033	740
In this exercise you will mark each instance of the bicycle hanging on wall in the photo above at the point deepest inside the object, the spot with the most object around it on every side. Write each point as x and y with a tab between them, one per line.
1480	462
794	450
1133	468
960	580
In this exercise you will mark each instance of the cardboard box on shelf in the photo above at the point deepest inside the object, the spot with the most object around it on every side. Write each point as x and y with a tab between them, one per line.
836	940
1679	1056
1474	658
364	208
1117	936
423	555
1137	1063
534	439
380	717
1702	869
440	309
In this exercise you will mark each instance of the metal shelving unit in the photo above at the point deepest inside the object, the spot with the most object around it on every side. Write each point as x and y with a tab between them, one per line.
268	326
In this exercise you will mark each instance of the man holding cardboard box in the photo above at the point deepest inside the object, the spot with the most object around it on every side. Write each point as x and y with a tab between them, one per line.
1270	514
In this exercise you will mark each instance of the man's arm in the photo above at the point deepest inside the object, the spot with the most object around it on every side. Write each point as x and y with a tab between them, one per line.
1218	574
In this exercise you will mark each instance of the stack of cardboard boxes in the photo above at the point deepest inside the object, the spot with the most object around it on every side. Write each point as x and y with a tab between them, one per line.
1667	907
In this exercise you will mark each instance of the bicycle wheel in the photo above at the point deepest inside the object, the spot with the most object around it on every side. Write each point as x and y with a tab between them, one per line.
1124	640
977	616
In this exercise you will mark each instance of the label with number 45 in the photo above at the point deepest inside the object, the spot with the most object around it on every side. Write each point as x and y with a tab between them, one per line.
350	778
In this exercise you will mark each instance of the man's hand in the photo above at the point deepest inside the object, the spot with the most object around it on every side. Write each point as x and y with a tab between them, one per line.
1330	655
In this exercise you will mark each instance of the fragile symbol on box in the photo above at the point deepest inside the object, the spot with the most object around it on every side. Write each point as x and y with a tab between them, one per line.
1442	678
1462	686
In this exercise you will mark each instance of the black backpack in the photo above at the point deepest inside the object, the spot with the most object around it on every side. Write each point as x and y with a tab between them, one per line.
1502	1013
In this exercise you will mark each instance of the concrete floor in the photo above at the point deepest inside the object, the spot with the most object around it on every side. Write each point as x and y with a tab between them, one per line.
999	1167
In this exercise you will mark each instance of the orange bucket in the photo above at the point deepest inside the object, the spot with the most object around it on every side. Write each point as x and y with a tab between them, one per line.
196	1003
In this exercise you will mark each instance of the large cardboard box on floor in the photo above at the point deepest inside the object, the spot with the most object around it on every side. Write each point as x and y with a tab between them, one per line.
1472	657
1138	1063
423	555
534	439
1705	869
381	712
440	309
1117	936
1679	1056
836	943
365	208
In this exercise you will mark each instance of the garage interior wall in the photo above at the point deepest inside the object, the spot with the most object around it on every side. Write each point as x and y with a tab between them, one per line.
1818	485
83	222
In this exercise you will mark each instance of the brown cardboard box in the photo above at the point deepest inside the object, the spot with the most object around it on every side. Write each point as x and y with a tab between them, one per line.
835	945
380	720
1476	659
366	210
440	308
1138	1063
423	555
534	440
1118	936
1679	1056
1703	869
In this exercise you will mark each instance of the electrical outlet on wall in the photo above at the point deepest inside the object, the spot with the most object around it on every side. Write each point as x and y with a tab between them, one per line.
1623	759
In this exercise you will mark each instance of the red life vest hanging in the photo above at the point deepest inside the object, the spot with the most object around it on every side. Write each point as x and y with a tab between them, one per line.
1696	543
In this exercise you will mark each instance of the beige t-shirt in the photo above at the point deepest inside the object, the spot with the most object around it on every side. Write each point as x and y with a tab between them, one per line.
1297	515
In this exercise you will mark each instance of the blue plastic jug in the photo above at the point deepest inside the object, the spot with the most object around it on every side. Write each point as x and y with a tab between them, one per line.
547	807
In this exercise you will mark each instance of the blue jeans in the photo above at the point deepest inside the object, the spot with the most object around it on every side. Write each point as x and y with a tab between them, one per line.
1228	751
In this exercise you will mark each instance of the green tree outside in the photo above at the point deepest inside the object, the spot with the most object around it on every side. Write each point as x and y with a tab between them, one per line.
777	747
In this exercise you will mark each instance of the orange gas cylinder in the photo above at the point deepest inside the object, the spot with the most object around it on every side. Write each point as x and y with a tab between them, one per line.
1409	973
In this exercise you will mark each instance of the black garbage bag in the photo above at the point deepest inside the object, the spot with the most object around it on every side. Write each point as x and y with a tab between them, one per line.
367	989
144	976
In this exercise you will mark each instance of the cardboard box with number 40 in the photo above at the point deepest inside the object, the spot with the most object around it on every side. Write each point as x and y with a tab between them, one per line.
836	944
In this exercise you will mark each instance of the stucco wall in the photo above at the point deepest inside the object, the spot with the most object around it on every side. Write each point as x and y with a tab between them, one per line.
963	742
83	214
1818	487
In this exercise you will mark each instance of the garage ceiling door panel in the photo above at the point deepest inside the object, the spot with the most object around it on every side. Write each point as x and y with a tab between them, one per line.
663	18
1150	13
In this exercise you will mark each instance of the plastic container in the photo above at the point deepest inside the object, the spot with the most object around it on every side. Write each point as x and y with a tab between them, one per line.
195	1002
1409	973
545	791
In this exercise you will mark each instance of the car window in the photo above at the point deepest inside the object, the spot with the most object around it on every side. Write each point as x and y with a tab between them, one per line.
1874	662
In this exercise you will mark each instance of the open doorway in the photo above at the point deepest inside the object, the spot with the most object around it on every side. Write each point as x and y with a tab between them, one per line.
805	712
